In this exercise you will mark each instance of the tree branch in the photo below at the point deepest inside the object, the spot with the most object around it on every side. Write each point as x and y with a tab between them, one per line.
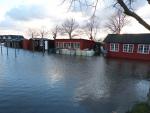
128	12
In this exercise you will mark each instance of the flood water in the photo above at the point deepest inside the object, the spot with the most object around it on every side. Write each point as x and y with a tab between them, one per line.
33	83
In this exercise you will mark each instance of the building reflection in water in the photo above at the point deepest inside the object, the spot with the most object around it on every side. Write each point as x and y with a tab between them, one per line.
114	85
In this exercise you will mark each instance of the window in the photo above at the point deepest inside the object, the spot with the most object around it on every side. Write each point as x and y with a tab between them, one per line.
68	45
114	47
41	42
128	48
9	37
65	45
60	45
144	49
57	44
77	45
72	45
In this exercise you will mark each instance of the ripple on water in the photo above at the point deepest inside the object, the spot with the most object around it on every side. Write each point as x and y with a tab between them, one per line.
32	83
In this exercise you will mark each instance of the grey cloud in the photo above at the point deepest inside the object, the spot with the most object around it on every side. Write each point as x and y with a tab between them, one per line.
7	24
27	13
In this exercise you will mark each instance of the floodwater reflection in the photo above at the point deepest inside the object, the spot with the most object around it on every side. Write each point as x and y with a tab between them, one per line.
33	83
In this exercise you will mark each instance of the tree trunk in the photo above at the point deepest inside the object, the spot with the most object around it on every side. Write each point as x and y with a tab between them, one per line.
128	12
54	36
70	37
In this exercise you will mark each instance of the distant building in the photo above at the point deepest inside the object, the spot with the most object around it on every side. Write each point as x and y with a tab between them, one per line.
130	46
80	44
14	41
4	38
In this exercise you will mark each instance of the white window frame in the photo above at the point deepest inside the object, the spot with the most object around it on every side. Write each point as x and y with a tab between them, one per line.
114	47
72	45
77	45
142	52
69	45
65	45
61	45
128	45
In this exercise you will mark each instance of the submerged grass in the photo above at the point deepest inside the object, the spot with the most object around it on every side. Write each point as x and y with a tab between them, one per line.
142	107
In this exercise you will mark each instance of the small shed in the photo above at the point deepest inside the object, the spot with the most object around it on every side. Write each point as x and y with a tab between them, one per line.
38	44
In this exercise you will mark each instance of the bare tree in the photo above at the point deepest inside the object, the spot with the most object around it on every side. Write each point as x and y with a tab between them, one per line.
43	32
125	5
69	26
55	31
32	33
116	22
91	28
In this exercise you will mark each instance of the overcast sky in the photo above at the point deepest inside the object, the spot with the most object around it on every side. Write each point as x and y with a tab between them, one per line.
16	16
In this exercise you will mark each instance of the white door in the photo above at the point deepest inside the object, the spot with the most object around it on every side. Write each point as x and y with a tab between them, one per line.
46	45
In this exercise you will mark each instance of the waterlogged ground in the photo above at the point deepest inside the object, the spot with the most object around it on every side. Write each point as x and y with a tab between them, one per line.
33	83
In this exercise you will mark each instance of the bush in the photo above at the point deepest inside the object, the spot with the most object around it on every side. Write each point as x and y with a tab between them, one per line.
140	108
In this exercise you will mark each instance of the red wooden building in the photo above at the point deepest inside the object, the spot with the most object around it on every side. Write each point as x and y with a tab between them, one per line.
130	46
74	44
26	44
37	44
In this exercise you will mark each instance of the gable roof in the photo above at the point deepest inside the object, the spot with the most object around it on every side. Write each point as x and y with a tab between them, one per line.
128	38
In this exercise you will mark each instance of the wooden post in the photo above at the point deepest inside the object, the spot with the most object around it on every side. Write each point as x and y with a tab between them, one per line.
18	46
1	48
148	97
7	46
15	49
32	45
43	46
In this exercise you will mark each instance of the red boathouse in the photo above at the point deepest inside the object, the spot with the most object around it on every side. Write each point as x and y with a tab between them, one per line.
130	46
74	44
